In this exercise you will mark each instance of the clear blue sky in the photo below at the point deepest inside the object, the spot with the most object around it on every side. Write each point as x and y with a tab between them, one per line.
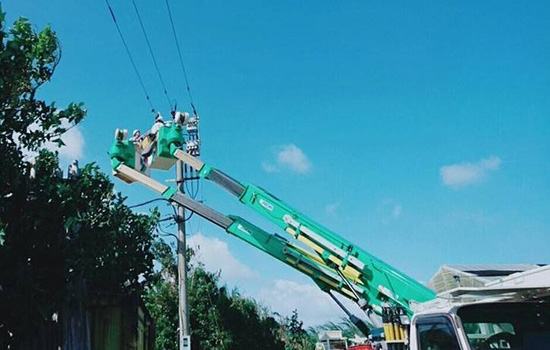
421	130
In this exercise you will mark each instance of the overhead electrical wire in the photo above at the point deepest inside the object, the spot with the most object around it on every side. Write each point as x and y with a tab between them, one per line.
148	202
152	55
165	233
181	59
130	56
194	191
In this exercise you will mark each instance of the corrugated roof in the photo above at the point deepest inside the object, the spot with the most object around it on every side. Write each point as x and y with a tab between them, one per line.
486	270
473	275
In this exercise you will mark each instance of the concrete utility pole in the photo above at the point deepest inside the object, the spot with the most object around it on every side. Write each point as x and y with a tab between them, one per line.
184	334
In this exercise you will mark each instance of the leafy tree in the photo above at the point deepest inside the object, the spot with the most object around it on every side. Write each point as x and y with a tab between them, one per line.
161	298
61	240
162	302
220	318
294	334
206	316
251	325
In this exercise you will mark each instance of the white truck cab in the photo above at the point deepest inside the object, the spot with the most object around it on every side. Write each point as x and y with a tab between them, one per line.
482	325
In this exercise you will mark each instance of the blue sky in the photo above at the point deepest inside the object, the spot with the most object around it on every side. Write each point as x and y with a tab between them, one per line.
418	130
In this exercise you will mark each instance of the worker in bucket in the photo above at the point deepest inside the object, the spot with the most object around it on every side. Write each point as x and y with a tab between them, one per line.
159	122
136	140
149	144
136	136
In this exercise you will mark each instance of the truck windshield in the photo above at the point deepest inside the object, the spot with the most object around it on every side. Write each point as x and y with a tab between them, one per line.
507	326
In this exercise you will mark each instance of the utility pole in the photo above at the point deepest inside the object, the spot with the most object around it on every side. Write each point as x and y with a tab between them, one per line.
192	147
184	334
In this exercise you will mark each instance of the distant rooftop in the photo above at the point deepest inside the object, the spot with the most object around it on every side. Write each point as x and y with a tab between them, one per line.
493	270
473	275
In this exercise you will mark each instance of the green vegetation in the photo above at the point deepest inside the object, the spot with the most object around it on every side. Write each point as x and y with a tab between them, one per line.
220	318
61	239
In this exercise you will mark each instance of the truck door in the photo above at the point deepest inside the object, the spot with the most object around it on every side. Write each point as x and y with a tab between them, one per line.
436	333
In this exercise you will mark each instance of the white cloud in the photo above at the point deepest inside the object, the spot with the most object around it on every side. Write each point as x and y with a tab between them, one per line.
215	255
397	210
74	145
389	211
293	158
73	148
289	157
332	209
269	167
314	306
460	175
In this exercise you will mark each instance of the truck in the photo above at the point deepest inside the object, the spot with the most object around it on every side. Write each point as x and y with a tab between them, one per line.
511	314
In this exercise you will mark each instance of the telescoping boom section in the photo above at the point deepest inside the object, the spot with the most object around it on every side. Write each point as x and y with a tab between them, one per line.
382	284
334	263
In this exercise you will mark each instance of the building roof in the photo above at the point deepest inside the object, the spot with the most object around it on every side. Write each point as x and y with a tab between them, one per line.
493	270
473	275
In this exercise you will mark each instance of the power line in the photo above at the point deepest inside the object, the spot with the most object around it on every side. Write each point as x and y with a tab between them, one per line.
130	56
164	233
148	202
152	54
181	58
193	191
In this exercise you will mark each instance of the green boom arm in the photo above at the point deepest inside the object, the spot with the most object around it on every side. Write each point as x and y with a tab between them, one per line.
344	267
272	244
382	284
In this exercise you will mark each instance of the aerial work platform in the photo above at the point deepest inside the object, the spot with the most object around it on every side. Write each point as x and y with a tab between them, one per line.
333	263
390	299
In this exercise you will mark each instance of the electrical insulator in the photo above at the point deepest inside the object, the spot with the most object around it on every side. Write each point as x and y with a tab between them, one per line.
192	147
192	124
121	134
181	118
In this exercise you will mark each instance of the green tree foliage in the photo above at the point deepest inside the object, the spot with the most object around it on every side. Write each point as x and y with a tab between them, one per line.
162	302
206	299
220	318
294	334
161	298
59	237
